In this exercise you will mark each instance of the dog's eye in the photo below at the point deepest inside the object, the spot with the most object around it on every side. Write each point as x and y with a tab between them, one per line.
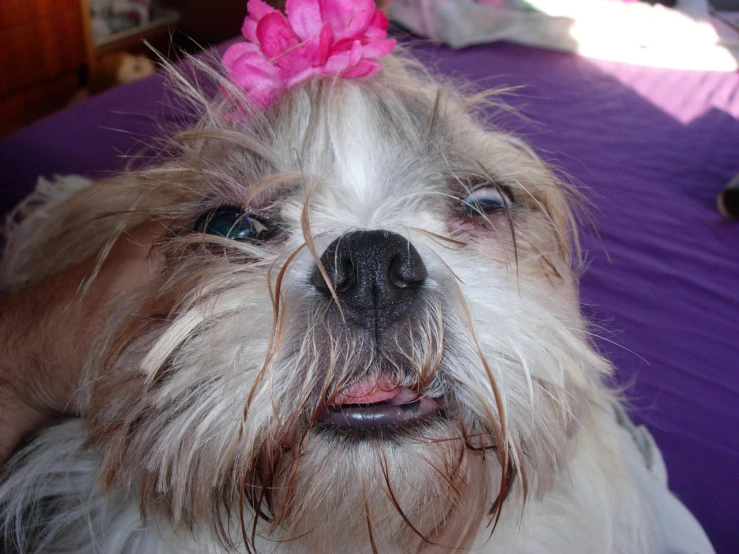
234	224
486	199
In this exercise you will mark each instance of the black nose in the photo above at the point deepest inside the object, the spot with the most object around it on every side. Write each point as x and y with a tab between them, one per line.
377	276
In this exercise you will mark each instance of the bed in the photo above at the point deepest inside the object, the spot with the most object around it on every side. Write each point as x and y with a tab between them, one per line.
652	148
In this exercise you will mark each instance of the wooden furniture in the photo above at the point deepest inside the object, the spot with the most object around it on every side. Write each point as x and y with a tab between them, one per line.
46	47
156	31
40	40
47	50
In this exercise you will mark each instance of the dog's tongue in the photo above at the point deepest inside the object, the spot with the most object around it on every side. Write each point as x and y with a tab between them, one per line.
376	403
374	391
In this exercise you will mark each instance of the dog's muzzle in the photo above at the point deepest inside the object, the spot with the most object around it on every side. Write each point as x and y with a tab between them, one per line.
377	276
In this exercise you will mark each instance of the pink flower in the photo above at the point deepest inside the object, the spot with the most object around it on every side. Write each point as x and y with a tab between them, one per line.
318	38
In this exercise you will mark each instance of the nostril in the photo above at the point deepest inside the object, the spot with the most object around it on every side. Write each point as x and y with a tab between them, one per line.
341	274
406	272
318	281
346	278
376	276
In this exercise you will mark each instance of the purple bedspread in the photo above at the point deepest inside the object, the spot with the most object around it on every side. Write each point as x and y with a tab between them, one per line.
653	148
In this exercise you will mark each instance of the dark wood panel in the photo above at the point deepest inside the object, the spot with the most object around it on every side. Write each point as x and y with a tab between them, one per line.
18	12
22	108
210	22
41	50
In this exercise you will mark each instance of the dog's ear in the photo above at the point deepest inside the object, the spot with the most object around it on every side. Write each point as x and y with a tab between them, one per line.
69	219
558	202
556	229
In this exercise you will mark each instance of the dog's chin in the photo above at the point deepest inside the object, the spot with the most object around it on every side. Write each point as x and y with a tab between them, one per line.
392	457
420	483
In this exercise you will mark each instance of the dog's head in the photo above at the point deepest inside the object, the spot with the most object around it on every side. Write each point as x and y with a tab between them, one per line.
366	328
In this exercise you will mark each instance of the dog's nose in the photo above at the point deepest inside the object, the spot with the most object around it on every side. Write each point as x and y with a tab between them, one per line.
376	275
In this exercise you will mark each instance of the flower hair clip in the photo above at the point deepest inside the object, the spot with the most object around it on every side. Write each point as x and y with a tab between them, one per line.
314	38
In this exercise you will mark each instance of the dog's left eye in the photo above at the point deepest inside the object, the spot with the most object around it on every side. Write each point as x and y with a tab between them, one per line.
486	199
233	224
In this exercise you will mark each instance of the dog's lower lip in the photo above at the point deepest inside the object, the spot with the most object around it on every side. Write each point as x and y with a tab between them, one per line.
380	414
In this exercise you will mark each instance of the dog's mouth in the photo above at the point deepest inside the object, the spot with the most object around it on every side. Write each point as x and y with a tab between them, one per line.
373	404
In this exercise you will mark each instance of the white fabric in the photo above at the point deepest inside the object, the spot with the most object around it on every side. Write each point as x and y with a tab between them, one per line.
636	33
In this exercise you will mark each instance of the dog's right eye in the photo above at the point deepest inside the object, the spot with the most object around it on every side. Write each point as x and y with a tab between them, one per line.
486	199
232	223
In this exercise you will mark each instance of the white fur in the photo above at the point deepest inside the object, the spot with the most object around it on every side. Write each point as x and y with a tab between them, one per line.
500	333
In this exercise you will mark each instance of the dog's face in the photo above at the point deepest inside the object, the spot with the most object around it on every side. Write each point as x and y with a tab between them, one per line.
366	330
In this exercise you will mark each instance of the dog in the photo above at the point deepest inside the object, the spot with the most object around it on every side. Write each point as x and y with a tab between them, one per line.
364	336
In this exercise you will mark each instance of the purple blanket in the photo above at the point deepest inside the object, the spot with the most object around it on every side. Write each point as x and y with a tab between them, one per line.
653	147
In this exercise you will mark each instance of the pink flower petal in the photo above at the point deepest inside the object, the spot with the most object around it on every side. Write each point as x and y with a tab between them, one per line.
342	45
311	53
305	17
355	54
297	58
303	76
329	38
348	18
250	69
365	68
377	29
339	62
249	30
336	63
275	35
378	49
324	45
236	51
257	10
259	79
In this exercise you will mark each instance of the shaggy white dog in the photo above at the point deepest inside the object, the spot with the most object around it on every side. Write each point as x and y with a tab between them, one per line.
365	337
